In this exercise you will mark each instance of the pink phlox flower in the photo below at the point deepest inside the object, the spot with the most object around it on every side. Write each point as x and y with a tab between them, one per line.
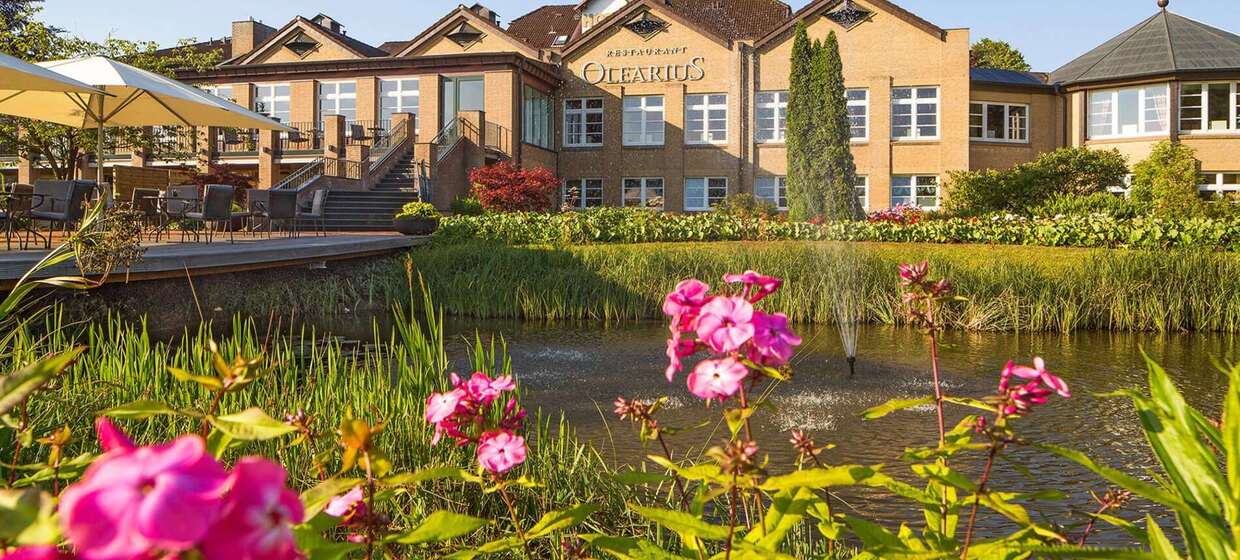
726	324
677	348
484	390
911	274
499	452
258	517
684	303
111	437
757	286
345	504
513	418
717	379
36	552
773	340
441	406
134	501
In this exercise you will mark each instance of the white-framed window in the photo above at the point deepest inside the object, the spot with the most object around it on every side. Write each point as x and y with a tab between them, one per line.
915	113
772	116
643	120
706	118
859	113
583	122
222	92
1217	185
1138	111
337	98
273	100
398	95
921	191
862	188
536	118
582	193
643	192
999	122
773	189
704	193
1210	107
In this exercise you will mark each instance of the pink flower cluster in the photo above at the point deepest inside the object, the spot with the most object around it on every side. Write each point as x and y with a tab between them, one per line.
730	328
462	414
1036	388
163	500
902	214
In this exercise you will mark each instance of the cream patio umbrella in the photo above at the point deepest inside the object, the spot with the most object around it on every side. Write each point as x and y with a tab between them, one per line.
18	77
135	97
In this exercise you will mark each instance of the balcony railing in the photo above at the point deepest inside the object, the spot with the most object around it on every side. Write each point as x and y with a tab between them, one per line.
307	139
236	142
366	133
498	137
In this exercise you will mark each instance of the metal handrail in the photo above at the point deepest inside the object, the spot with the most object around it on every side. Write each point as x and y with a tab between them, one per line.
303	177
448	137
396	140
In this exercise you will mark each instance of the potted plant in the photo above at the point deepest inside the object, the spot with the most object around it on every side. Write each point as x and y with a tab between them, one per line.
417	218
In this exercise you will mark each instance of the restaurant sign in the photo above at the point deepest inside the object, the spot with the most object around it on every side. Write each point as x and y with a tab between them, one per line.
596	73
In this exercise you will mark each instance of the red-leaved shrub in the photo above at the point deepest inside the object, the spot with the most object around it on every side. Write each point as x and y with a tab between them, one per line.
504	187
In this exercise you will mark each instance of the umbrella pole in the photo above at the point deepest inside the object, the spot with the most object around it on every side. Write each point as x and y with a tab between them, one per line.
99	142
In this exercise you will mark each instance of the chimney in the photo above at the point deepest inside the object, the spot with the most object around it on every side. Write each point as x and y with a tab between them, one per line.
325	20
248	34
485	13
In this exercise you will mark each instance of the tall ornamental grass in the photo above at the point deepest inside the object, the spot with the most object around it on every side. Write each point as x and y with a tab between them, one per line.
1010	288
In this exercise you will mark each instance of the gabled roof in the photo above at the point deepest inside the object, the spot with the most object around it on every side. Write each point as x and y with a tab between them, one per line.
393	47
362	50
1166	43
819	6
1007	77
474	19
737	20
224	45
633	8
540	27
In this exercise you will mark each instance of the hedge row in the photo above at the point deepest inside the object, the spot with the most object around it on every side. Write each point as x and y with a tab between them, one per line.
614	225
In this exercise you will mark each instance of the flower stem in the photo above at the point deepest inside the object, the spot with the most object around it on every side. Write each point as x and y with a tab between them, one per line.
732	499
206	419
680	484
516	523
977	498
17	444
370	505
934	368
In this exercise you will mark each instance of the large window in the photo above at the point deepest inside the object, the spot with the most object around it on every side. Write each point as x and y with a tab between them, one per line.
338	98
643	120
536	118
859	113
704	193
915	113
583	122
706	119
1217	185
222	92
582	193
272	100
999	122
398	96
1210	107
643	192
772	116
862	188
921	191
772	189
1128	112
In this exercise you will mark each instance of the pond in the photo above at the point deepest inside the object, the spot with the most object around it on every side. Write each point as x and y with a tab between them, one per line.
578	370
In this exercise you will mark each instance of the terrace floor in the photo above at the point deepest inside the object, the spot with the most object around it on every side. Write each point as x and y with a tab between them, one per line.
249	252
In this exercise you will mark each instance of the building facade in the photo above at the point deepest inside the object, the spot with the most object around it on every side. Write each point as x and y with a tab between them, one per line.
678	104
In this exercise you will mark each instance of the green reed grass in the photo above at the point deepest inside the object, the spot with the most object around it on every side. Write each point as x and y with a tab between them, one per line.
1008	288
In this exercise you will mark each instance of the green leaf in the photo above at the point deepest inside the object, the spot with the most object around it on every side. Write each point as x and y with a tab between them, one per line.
16	386
317	498
251	424
945	474
141	410
204	380
682	523
818	478
628	548
441	526
895	405
27	517
736	418
560	520
787	509
1159	544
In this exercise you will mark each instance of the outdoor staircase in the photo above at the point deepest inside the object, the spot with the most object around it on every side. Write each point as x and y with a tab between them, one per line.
373	210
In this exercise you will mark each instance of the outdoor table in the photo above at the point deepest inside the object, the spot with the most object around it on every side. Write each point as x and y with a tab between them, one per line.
14	212
166	219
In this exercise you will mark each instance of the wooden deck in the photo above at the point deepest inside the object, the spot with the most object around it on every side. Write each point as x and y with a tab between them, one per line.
197	259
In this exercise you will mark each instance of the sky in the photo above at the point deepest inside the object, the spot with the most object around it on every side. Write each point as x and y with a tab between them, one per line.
1049	32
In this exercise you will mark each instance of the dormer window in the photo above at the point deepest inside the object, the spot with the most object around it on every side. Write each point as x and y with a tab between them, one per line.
646	26
301	44
465	34
559	41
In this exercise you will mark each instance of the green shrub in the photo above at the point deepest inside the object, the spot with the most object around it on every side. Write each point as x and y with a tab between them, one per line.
745	205
1167	181
1102	203
418	210
467	206
1076	171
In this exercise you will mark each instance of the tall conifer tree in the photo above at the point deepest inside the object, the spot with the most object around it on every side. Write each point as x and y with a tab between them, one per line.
802	203
835	171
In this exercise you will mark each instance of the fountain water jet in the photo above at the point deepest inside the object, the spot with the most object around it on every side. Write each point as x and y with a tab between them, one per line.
844	274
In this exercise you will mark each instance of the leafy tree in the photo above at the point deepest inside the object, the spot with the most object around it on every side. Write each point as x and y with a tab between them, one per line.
836	173
1074	172
504	187
60	147
1000	55
1168	179
802	204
